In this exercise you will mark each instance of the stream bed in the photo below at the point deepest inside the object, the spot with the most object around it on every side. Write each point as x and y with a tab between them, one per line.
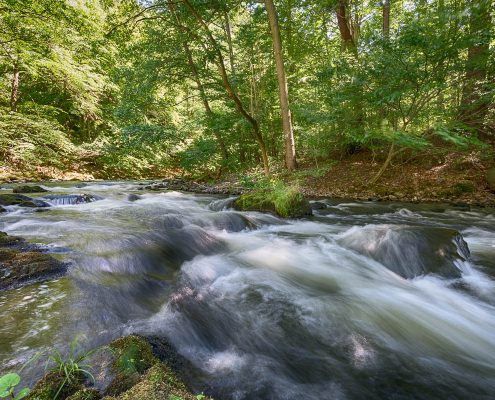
364	300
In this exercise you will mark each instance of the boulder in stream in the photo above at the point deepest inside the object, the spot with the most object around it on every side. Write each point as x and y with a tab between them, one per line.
410	251
29	189
22	263
286	203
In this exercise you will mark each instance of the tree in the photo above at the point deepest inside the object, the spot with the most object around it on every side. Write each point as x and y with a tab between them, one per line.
290	148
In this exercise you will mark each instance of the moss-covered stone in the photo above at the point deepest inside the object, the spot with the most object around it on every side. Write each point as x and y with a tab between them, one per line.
159	383
85	394
286	202
29	189
21	263
133	356
10	199
52	386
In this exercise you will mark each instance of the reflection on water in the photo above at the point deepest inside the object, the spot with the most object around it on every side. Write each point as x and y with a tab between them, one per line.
363	300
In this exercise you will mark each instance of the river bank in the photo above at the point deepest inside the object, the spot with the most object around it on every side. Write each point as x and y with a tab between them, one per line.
455	179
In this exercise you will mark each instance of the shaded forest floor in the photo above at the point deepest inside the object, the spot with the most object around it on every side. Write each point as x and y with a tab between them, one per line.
456	178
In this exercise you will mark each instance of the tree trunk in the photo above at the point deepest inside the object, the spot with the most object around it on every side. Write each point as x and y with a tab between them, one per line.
290	148
14	94
344	25
474	102
230	90
228	31
386	19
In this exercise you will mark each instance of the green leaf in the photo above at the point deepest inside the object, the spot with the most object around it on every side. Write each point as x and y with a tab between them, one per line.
9	381
23	393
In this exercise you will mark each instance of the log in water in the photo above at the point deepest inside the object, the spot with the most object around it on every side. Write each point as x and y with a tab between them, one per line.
363	300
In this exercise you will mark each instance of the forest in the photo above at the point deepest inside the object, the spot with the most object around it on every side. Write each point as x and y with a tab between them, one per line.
140	89
247	199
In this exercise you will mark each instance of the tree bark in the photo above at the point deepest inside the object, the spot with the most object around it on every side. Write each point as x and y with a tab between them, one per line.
386	19
474	102
14	94
344	25
230	90
290	148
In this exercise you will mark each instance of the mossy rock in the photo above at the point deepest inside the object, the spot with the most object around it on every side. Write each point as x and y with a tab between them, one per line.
286	203
159	383
9	199
133	357
29	189
85	394
51	384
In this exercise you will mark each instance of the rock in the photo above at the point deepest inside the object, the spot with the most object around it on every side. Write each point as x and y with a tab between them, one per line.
71	199
318	205
8	199
410	251
288	203
490	178
29	189
22	263
139	375
133	197
52	386
85	394
2	210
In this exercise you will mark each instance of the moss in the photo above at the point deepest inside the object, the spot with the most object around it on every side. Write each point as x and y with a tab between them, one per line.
159	383
48	387
463	187
29	189
133	356
85	394
284	201
10	199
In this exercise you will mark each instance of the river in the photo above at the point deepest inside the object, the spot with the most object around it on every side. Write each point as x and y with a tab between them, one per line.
364	300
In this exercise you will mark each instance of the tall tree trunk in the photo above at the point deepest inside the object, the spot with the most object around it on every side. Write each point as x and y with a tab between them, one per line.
228	31
386	19
230	90
283	92
474	102
14	94
345	29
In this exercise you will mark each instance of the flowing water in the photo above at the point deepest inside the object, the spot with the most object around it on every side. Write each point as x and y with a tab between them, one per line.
361	301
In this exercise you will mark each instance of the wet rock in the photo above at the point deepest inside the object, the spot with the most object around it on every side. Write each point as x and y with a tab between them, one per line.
139	375
133	197
29	189
2	210
411	251
71	199
22	263
8	199
318	205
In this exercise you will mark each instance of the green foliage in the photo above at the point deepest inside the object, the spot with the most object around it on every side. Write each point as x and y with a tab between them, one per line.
274	196
30	141
72	367
8	385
